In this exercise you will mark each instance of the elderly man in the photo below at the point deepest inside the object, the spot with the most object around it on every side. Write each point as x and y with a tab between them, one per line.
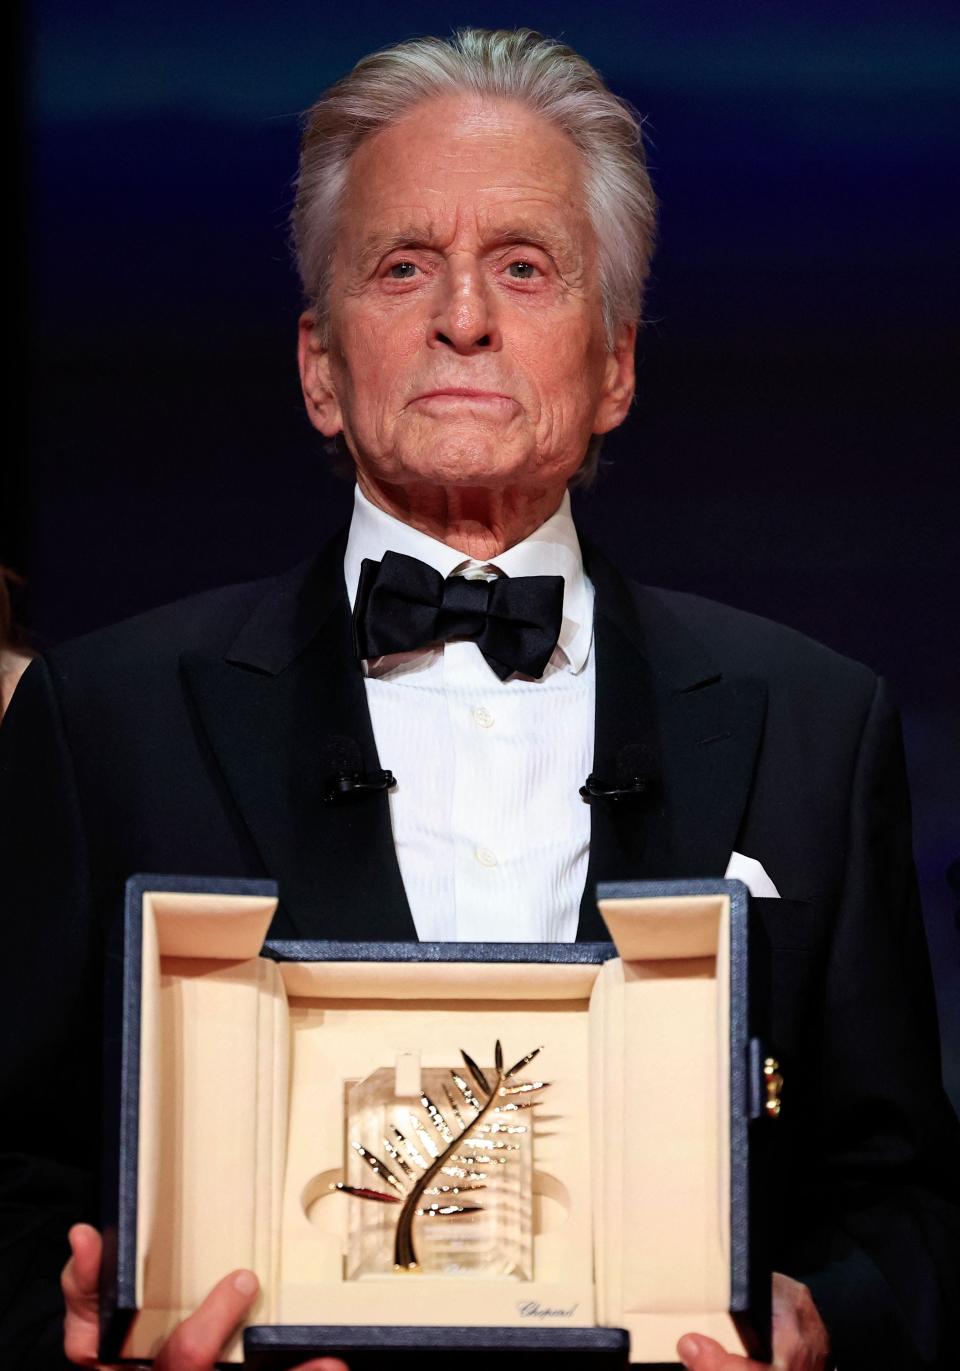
474	224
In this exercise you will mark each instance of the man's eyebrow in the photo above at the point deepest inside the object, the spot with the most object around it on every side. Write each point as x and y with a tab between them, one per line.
378	244
537	234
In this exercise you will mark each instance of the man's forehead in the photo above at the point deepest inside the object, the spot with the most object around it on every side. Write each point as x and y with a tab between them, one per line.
453	158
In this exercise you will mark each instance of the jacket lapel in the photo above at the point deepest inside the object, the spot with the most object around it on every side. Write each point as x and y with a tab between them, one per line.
700	729
272	709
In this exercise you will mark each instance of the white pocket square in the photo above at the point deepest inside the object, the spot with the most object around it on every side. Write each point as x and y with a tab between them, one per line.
749	870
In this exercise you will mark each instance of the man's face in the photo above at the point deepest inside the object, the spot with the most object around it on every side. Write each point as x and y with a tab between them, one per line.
466	344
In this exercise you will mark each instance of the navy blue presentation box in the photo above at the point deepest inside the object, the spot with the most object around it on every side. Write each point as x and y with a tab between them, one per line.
229	1058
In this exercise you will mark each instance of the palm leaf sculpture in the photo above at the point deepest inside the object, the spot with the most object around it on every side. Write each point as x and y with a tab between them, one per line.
415	1183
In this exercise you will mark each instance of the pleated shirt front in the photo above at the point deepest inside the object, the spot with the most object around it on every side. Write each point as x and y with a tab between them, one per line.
492	836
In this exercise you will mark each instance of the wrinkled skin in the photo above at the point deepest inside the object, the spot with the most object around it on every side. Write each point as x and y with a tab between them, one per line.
466	365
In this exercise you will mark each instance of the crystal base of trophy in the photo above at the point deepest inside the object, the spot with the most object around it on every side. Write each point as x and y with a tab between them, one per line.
442	1184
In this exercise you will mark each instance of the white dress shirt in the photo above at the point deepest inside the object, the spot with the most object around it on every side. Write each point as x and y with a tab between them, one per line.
491	833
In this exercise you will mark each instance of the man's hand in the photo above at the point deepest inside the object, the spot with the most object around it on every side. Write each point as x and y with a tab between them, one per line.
800	1341
194	1345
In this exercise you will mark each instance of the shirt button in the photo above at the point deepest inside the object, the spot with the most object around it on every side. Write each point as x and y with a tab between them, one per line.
485	857
482	716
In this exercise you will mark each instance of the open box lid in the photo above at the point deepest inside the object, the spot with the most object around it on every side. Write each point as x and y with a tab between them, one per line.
232	917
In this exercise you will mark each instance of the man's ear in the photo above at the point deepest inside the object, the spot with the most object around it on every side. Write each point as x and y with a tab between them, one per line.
619	381
319	396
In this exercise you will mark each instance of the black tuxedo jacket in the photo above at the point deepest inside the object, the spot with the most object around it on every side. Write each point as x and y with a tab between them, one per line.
193	741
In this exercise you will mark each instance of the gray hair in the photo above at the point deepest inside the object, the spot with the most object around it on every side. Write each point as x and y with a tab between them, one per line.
543	74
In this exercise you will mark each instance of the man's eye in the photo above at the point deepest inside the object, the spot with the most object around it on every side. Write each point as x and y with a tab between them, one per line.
401	271
522	271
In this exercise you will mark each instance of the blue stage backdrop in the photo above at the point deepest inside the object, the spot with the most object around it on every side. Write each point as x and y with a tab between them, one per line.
792	448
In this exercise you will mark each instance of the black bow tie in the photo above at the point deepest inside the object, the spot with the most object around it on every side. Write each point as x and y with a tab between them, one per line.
403	604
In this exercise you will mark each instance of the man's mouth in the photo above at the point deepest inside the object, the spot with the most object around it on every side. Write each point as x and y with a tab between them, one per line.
464	396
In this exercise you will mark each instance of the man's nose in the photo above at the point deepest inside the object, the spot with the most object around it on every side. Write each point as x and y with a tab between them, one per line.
465	316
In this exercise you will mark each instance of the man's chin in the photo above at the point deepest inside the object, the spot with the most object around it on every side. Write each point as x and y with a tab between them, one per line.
454	464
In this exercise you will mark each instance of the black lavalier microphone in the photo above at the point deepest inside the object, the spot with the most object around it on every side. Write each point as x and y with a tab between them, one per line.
344	777
635	780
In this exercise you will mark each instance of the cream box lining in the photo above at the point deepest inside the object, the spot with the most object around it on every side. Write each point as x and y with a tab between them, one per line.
242	1069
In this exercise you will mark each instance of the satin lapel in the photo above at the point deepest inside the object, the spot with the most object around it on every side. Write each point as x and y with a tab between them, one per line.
656	686
289	684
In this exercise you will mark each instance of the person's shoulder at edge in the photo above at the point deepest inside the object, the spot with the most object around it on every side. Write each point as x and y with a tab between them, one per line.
206	622
742	643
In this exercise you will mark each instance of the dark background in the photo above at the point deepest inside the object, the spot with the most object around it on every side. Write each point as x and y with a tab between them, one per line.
793	447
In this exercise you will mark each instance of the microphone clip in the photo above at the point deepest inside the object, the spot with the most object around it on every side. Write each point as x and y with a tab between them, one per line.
344	776
635	780
344	786
635	791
